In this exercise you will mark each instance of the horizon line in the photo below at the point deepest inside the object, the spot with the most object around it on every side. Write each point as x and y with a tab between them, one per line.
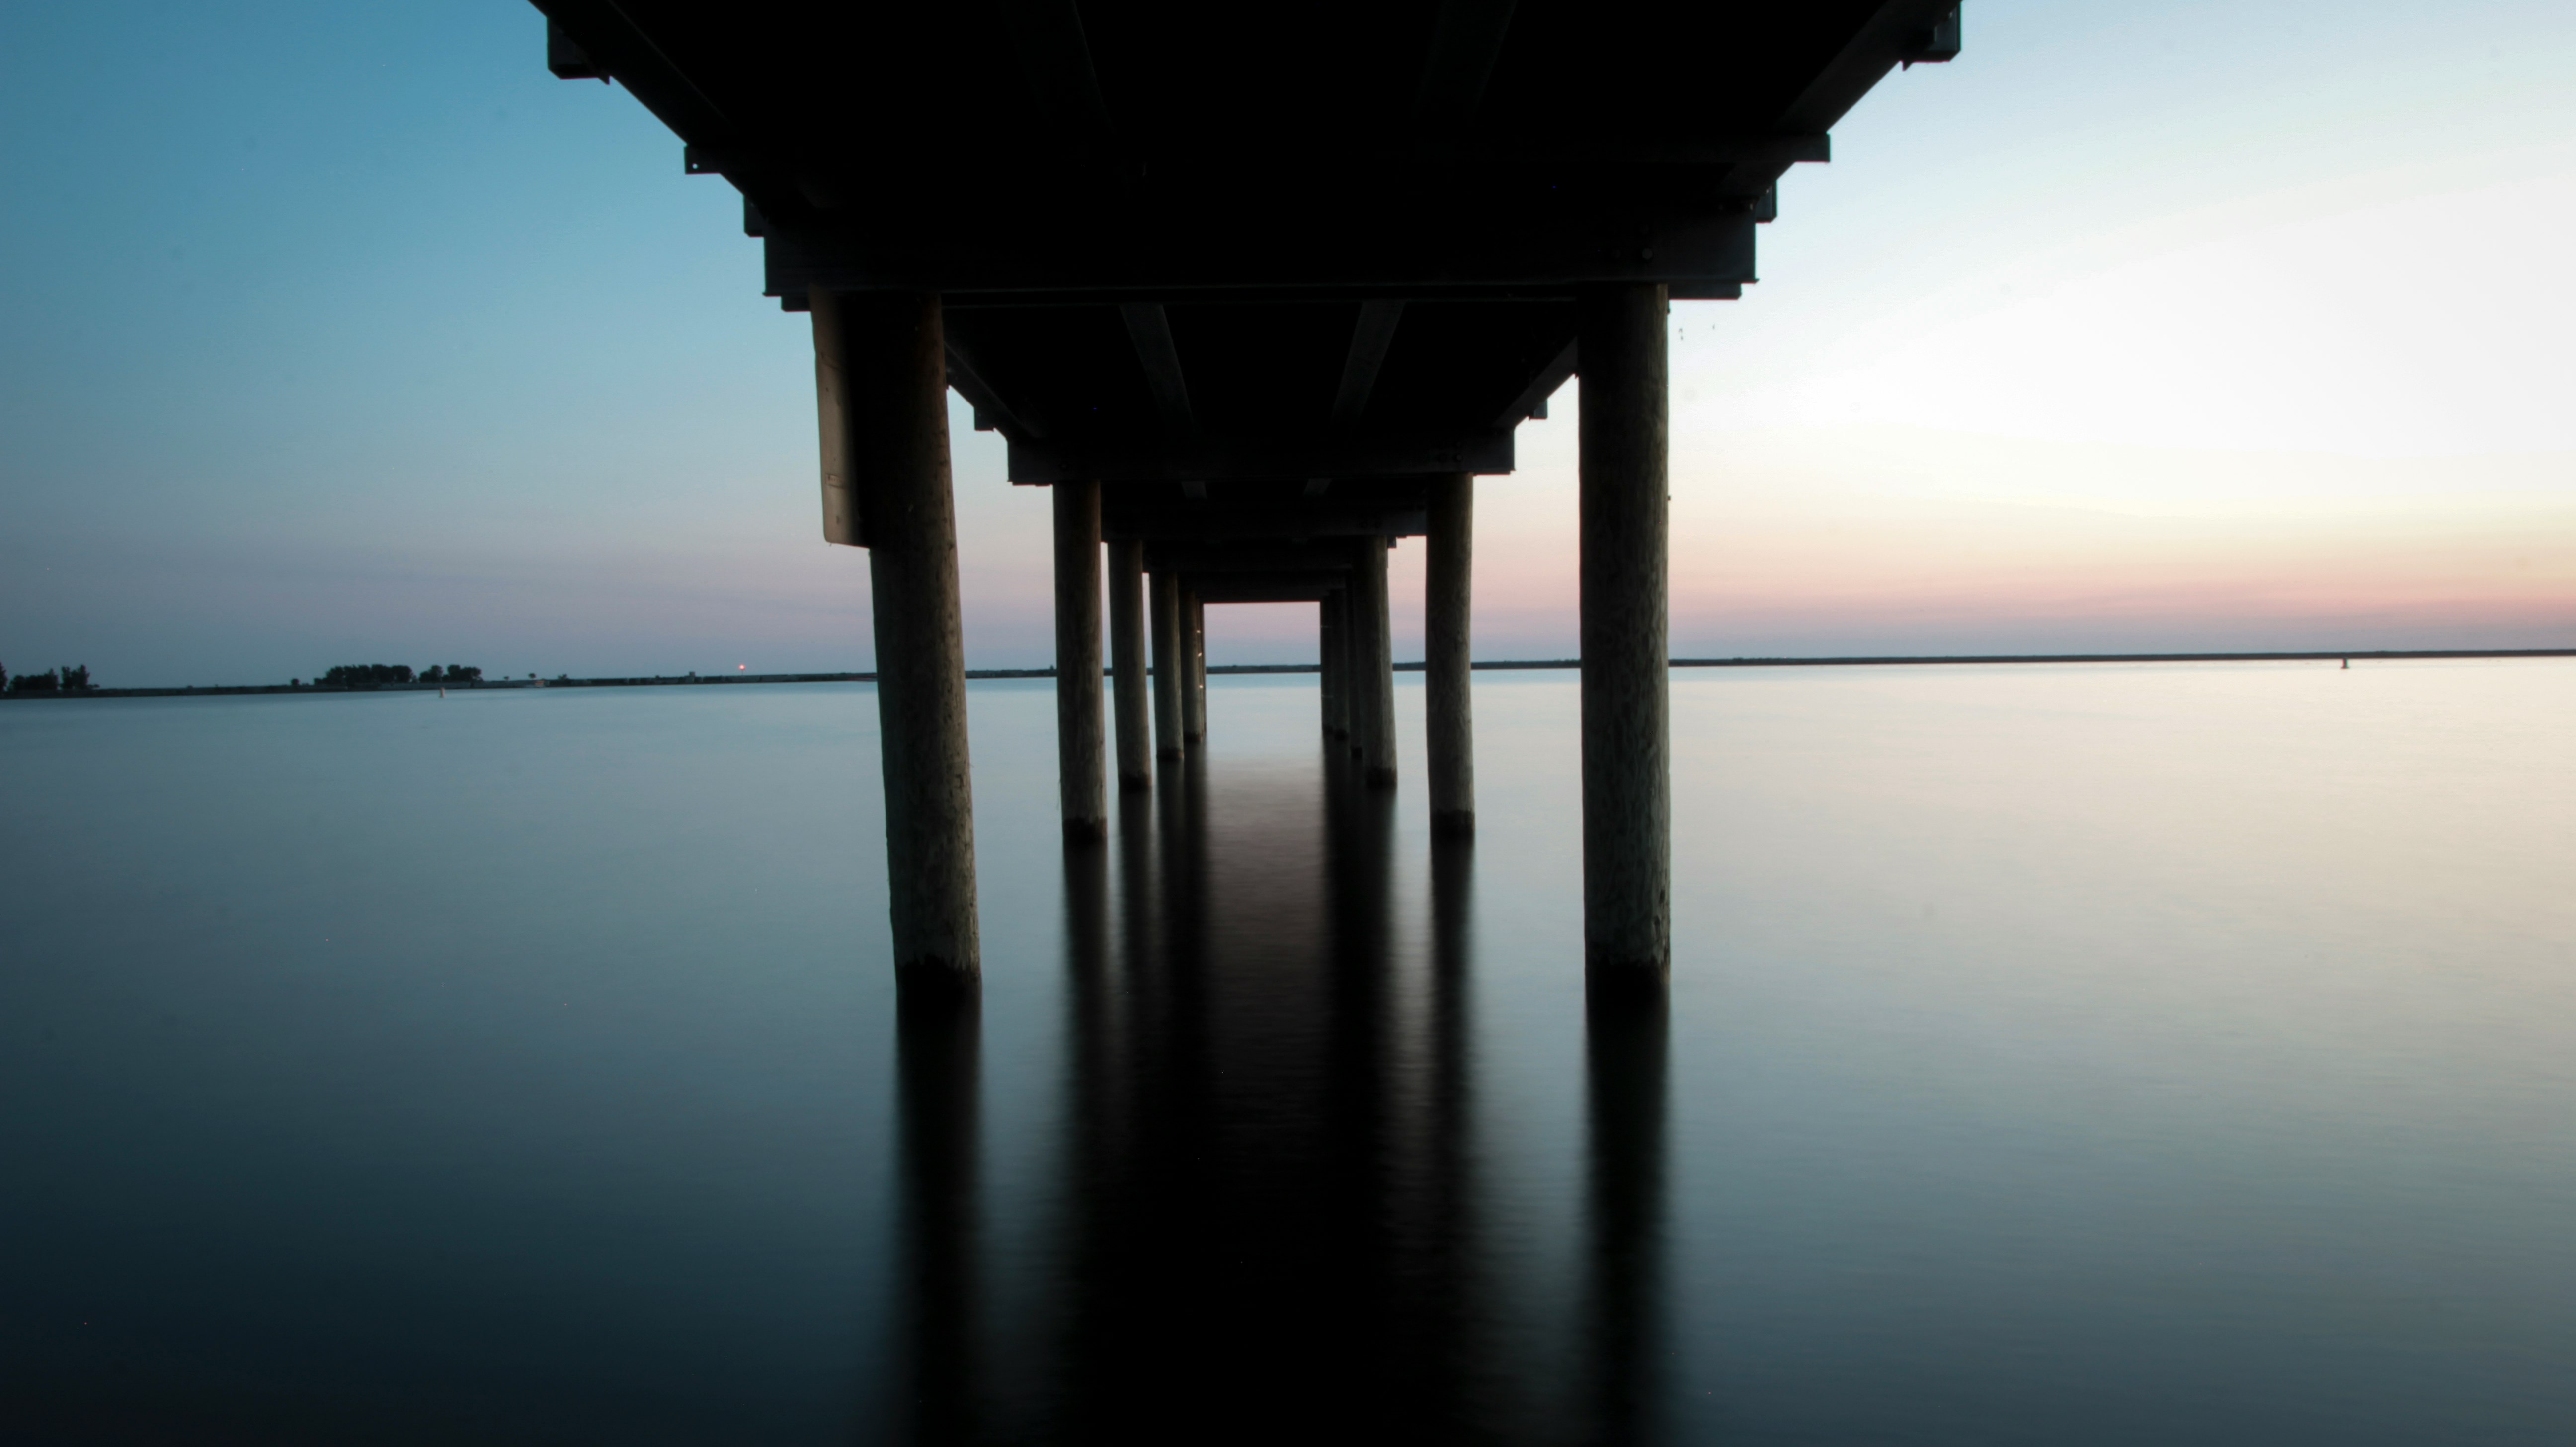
2382	655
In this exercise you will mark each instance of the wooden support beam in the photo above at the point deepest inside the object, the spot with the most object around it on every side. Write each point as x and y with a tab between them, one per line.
1764	150
1371	335
567	59
1532	402
1078	721
992	414
1627	795
1127	660
1040	461
1901	32
1466	41
1272	527
1266	587
1517	254
1448	717
841	520
1150	328
1055	56
890	354
1179	556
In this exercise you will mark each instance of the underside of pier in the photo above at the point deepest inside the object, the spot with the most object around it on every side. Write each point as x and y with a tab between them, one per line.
1269	288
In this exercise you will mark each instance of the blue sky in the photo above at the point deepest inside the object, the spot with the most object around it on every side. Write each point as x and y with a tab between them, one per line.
332	334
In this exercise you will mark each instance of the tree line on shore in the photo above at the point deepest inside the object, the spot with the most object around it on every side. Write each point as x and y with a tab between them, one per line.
368	675
71	679
53	680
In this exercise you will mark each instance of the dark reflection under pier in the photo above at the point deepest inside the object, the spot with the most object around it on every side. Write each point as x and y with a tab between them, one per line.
937	1057
1271	1221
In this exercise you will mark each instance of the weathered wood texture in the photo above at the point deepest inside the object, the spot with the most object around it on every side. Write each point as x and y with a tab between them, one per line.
892	358
1165	620
1078	704
1448	715
1627	797
1127	660
1372	664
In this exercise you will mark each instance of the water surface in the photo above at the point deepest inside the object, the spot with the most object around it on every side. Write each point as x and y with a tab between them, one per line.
2055	1054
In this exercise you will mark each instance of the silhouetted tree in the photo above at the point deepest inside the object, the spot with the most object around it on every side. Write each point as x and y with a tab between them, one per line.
368	675
76	680
45	682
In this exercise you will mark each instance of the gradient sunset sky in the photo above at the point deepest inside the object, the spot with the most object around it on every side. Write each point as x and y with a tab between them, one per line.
346	333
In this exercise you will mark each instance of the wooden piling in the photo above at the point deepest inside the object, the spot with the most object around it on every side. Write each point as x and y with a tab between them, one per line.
1078	721
1165	594
1127	660
1193	666
1627	800
1350	660
1329	638
889	351
1448	715
1372	665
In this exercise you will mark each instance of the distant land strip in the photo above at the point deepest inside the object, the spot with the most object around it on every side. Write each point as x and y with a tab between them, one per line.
1887	661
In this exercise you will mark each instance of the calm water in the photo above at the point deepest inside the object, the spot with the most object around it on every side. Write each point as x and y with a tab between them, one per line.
2055	1055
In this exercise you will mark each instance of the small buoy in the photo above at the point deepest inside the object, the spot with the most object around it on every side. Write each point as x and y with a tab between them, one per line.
2347	663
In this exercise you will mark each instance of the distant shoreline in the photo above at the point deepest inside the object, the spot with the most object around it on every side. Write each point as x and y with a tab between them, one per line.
2382	655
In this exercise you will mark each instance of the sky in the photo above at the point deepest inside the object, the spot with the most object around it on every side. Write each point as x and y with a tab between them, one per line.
337	334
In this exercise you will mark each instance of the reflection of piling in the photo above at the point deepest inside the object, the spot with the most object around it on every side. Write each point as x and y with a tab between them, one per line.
1087	958
1624	1049
1444	1315
1453	906
936	1065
